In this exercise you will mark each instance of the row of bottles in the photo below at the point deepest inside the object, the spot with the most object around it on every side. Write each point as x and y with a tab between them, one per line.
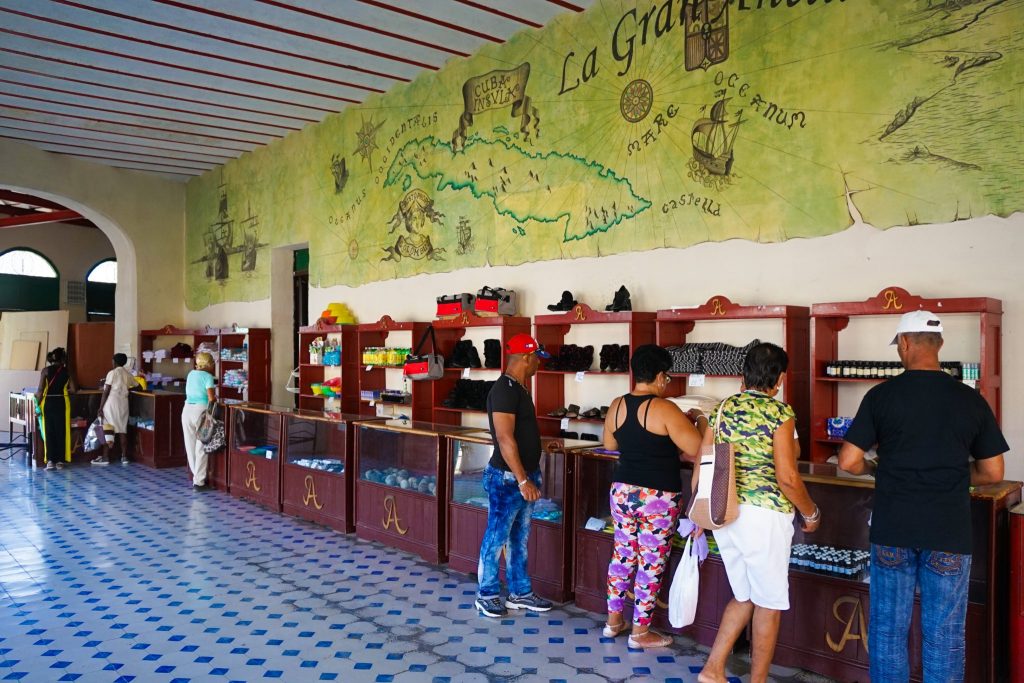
872	369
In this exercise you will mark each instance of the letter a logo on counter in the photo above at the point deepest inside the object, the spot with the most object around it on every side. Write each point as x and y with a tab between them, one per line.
391	516
310	496
250	481
856	615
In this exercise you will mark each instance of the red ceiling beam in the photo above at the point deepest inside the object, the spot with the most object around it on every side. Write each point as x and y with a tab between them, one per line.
39	218
29	200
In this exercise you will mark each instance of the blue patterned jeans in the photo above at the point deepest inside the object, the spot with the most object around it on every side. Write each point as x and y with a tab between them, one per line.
942	578
508	530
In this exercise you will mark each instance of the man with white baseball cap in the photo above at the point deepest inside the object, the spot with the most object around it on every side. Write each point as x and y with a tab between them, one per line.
926	427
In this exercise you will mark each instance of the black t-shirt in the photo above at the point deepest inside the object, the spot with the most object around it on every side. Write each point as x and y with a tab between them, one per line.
508	396
926	426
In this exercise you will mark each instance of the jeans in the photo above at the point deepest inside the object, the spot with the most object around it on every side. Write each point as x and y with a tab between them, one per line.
942	578
508	530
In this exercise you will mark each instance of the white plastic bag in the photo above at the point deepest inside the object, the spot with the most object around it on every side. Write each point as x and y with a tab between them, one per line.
94	438
682	595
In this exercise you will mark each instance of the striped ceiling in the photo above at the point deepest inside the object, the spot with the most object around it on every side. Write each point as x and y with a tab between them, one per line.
177	87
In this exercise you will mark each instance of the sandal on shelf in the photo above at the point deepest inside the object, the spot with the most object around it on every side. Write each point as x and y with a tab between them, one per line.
657	640
558	412
613	631
591	414
573	411
604	412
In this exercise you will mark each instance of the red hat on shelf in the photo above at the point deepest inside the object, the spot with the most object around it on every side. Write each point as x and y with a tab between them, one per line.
524	343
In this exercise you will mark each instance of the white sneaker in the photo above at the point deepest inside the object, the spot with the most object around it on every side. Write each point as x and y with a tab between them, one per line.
100	460
50	465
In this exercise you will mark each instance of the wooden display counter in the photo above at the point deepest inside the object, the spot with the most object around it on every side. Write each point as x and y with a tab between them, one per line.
826	627
317	466
154	432
254	445
550	545
403	479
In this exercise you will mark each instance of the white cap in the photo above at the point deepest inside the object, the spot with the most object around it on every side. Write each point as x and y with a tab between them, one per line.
917	321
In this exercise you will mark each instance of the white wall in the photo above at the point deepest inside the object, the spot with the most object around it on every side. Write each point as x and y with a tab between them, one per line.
980	257
141	214
73	250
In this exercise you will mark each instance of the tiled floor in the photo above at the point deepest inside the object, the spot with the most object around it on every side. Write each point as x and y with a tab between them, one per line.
124	574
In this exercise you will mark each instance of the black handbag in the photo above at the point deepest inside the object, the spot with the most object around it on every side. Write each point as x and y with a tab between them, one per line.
425	366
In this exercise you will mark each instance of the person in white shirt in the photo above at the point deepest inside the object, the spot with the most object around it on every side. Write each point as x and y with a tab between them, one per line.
114	407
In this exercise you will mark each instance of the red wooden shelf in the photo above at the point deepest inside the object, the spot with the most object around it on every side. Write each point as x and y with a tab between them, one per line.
674	324
829	319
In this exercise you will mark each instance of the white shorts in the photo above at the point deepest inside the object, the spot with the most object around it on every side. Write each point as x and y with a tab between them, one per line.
755	552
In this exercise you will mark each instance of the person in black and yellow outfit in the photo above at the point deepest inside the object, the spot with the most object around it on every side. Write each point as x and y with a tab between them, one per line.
55	382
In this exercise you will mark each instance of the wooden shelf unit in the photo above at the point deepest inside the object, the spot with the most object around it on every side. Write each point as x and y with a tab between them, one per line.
257	367
551	331
450	331
375	378
675	323
309	373
829	319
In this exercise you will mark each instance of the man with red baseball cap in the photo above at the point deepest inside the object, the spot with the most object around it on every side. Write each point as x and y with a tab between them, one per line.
512	482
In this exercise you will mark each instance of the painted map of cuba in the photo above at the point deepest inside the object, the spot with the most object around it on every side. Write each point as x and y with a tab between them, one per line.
641	125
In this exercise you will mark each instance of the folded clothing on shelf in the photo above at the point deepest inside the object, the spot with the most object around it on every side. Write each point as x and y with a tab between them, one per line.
710	358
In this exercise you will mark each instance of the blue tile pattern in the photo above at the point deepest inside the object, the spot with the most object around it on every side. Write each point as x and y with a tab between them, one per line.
121	574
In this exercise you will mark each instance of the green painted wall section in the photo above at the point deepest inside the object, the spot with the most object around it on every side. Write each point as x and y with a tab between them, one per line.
635	126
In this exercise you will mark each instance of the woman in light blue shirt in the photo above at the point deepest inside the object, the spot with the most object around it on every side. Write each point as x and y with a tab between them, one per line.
199	393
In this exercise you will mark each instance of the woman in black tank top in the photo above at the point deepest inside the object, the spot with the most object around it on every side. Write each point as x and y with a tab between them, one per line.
646	495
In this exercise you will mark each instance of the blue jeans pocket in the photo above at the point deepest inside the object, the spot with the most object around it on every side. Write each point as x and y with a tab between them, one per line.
891	557
945	564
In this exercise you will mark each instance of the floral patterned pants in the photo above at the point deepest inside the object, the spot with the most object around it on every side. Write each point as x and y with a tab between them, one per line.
645	520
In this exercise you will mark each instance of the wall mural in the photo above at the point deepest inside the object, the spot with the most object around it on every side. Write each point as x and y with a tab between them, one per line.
635	126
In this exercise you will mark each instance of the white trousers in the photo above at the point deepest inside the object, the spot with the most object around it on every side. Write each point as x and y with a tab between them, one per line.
197	457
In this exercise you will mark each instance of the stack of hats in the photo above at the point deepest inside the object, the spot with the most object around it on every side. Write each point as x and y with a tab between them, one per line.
710	358
338	314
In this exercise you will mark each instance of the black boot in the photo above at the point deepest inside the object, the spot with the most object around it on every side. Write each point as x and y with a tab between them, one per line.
474	355
621	302
492	353
609	357
460	355
565	303
623	358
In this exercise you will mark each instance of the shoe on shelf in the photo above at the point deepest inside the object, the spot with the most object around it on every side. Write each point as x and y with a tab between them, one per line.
100	460
591	414
530	601
621	301
558	412
491	607
565	303
50	465
572	411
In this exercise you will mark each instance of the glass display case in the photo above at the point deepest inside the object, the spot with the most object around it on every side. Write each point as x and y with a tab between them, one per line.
402	468
254	445
550	546
154	428
315	481
595	470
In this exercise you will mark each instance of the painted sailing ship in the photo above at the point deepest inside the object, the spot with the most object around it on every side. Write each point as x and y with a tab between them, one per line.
713	138
219	238
465	232
251	235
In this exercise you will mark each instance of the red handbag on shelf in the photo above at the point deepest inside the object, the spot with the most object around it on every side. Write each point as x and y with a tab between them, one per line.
451	306
426	366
